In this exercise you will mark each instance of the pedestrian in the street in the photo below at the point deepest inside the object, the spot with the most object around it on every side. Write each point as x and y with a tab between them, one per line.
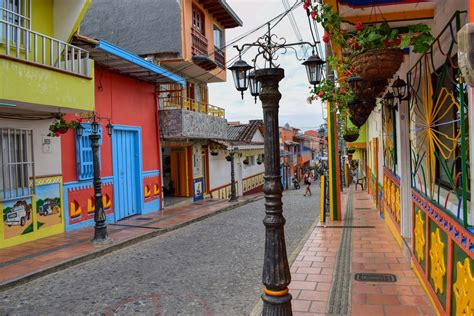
308	179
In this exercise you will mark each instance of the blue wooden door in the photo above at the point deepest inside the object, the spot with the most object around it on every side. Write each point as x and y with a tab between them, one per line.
127	160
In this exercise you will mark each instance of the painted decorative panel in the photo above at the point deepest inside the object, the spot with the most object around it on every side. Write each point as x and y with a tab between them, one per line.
80	205
152	191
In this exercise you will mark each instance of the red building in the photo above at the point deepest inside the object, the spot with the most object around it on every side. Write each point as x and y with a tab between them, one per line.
130	158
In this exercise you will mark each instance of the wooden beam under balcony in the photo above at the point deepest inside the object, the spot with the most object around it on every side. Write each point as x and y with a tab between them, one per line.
392	16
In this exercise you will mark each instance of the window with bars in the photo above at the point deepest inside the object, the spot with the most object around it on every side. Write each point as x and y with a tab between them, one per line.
18	14
84	157
17	164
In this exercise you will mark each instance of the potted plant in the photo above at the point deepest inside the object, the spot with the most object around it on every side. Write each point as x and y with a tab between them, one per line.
336	93
228	158
351	134
351	150
61	126
370	46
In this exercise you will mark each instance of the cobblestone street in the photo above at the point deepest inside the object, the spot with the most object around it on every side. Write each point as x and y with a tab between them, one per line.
213	266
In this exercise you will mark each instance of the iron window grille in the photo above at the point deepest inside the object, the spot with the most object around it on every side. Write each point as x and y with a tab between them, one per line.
17	163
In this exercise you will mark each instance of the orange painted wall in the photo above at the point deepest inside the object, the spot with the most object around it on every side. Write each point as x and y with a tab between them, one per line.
209	21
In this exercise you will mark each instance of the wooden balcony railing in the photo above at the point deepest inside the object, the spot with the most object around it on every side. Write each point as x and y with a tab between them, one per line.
219	57
168	103
199	43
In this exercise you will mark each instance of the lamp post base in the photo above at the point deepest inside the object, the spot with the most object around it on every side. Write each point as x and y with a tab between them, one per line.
100	236
233	199
276	305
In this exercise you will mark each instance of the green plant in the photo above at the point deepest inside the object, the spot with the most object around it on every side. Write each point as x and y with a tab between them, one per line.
352	130
372	36
61	126
337	94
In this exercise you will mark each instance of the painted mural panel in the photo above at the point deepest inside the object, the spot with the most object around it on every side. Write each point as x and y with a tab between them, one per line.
152	190
48	205
17	217
80	200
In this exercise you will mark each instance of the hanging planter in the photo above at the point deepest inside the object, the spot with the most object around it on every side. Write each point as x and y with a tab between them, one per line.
351	134
351	150
246	161
378	64
61	126
214	153
228	158
358	120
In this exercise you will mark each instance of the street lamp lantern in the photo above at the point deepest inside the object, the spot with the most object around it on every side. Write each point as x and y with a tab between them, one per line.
399	88
389	99
79	130
314	69
240	73
255	85
110	128
95	127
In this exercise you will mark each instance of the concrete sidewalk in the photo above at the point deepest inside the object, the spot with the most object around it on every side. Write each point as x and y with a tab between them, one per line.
323	273
25	262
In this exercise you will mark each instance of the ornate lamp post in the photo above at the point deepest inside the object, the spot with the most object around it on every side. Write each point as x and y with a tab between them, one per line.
100	230
276	272
233	195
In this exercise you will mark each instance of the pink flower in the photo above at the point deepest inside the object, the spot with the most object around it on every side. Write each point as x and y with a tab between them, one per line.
326	37
306	5
313	14
359	26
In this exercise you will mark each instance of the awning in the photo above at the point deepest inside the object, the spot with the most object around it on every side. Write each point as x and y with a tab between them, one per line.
127	63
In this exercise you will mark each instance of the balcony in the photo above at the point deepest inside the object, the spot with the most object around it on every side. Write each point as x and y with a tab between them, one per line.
200	51
28	58
219	57
187	118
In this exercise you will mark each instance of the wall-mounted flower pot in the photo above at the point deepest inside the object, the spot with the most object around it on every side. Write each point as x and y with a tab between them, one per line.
377	64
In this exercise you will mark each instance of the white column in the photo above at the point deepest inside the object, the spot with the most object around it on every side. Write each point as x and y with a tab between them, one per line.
405	176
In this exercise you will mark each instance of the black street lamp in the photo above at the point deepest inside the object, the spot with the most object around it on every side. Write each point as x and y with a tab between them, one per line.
100	229
389	99
276	272
240	72
399	88
233	194
255	85
314	69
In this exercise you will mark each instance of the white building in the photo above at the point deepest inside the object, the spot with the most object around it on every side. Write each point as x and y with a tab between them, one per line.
248	161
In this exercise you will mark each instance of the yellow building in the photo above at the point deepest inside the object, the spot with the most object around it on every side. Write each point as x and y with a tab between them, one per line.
43	77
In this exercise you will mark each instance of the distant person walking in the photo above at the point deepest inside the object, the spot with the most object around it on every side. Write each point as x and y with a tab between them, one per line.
308	179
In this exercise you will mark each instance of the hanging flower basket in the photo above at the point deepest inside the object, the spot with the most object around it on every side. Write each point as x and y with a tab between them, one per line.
352	137
214	153
351	150
371	89
378	64
246	162
359	107
228	158
60	126
358	120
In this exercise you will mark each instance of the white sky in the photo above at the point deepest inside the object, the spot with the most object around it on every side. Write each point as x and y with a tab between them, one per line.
294	108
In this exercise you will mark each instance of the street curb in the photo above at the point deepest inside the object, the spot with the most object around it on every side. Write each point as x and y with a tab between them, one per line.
106	250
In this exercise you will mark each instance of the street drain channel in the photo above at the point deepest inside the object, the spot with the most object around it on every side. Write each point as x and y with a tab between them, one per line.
375	277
